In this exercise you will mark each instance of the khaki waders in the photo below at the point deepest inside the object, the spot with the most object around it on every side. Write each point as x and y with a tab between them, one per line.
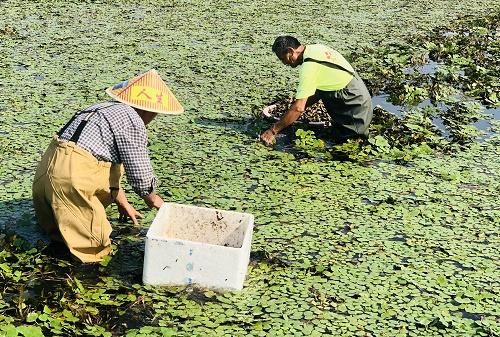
71	190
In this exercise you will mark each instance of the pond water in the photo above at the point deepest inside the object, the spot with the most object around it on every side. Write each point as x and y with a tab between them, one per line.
383	100
427	72
425	69
493	112
21	66
361	246
483	124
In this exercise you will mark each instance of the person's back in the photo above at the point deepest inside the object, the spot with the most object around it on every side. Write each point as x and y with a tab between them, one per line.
115	133
316	74
326	74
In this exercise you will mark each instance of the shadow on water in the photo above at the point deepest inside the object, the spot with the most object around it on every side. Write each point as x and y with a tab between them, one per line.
17	216
39	273
19	224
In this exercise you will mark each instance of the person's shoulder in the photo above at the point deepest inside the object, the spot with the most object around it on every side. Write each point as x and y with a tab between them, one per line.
111	105
320	48
314	51
121	114
120	111
317	46
118	106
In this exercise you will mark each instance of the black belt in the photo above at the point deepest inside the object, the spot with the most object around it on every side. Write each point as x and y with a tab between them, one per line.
329	64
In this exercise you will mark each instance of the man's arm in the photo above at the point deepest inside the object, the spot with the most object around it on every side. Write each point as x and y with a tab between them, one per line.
153	200
125	209
132	146
296	109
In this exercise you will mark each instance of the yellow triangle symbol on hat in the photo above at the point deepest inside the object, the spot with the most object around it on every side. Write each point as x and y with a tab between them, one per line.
146	92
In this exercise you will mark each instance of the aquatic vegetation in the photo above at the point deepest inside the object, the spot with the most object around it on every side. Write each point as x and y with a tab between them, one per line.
453	70
397	236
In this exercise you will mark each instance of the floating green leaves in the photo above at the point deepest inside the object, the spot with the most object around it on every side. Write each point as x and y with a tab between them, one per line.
397	237
452	65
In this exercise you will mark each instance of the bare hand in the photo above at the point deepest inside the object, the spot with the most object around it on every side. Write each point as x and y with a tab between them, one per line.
128	211
153	200
125	209
268	137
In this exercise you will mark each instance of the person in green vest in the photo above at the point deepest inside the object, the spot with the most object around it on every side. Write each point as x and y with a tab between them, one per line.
324	74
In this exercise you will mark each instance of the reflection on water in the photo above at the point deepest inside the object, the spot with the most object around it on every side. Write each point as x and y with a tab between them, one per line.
493	112
484	124
425	69
383	101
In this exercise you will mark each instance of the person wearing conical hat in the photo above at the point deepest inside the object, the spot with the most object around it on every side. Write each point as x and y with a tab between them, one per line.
79	174
325	75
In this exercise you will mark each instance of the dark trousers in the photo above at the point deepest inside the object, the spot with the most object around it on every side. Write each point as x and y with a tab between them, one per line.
350	109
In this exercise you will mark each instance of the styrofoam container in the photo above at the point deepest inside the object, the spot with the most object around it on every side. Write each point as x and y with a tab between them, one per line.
197	245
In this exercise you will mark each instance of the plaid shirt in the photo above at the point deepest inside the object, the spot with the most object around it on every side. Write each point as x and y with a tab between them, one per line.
116	134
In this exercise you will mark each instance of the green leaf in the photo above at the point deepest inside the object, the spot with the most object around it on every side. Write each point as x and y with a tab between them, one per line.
30	331
31	317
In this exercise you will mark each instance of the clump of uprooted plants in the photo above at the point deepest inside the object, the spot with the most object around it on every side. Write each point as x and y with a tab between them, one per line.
314	114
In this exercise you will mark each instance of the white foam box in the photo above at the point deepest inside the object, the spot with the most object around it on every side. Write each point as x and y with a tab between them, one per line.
197	245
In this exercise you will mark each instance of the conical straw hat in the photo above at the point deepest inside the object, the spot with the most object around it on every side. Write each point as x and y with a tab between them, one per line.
146	92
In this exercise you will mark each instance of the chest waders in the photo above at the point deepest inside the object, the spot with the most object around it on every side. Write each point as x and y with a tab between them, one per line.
71	190
350	108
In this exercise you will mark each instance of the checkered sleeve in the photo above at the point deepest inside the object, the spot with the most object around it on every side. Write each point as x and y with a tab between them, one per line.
132	148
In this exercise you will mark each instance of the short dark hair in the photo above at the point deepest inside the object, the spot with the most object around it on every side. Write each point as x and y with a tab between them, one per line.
282	43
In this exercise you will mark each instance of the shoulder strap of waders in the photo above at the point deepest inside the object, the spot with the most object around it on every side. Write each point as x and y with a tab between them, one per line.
76	135
329	64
